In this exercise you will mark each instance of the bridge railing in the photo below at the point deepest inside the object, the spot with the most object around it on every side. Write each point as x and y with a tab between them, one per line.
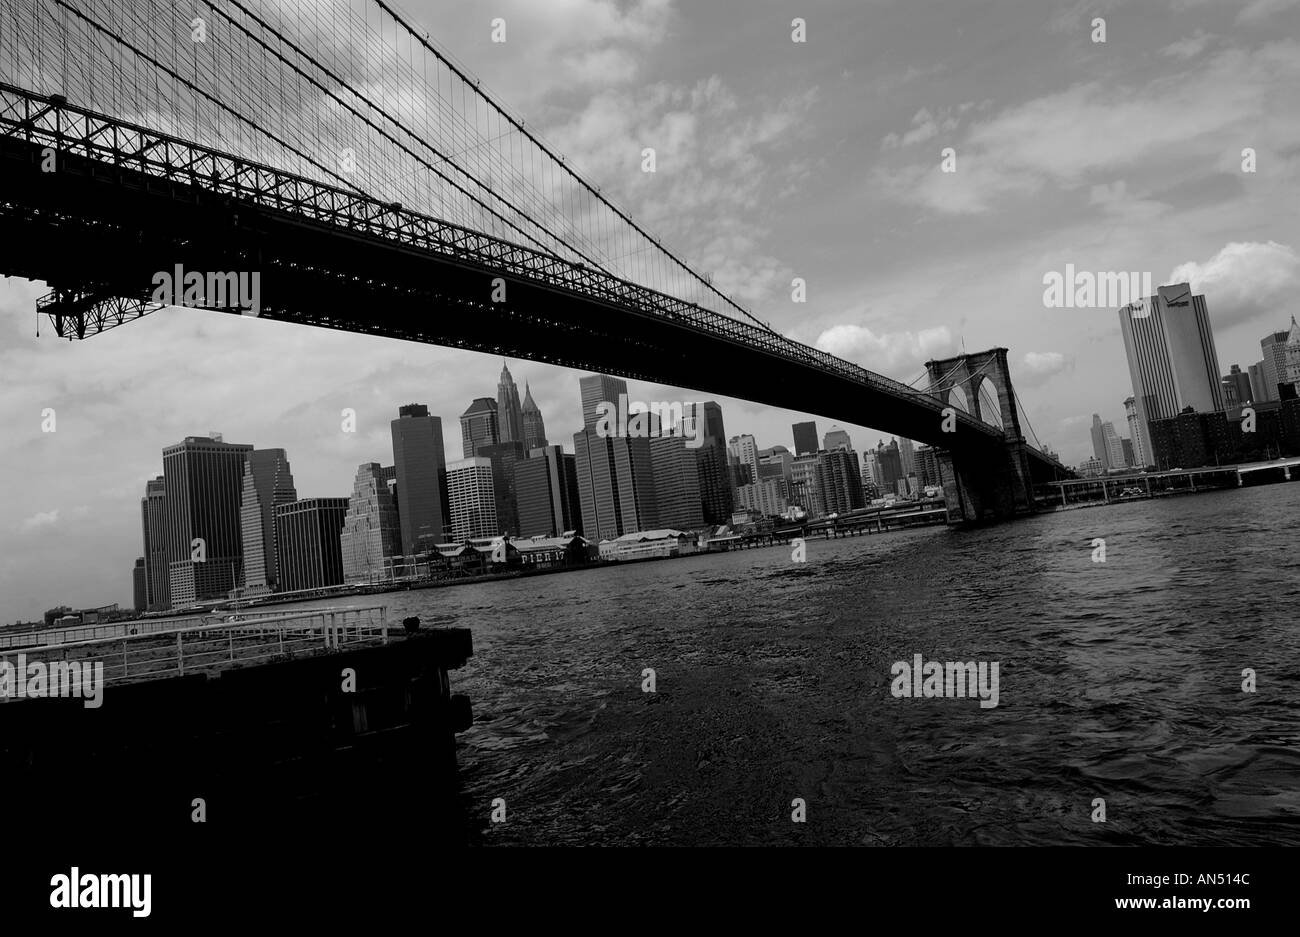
213	645
74	130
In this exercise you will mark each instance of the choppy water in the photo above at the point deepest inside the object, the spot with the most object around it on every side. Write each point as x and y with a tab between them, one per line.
1119	680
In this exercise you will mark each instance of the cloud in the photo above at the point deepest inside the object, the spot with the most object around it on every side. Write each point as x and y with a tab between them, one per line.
1188	48
1260	10
888	352
1037	367
40	519
1244	280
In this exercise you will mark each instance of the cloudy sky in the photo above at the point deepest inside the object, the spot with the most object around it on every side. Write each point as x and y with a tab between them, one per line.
776	160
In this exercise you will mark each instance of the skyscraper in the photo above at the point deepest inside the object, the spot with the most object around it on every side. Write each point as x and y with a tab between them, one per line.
1259	384
836	439
534	425
839	480
371	534
1281	364
202	487
546	487
597	389
421	477
309	543
803	485
267	482
1099	441
891	466
478	426
1241	382
504	457
1141	457
615	474
716	493
805	438
1171	358
743	450
473	500
157	580
1114	448
138	591
677	484
907	456
510	413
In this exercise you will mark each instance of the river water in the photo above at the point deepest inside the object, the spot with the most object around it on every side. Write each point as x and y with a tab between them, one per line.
1119	680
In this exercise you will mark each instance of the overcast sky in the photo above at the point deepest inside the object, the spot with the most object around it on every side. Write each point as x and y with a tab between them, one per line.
775	160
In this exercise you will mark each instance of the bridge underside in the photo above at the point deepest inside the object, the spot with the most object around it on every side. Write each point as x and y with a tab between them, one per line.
98	234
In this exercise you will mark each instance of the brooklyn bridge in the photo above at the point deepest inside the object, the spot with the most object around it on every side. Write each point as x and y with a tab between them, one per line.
372	185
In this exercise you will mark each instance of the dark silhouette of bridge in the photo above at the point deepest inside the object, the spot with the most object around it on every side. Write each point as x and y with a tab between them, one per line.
380	217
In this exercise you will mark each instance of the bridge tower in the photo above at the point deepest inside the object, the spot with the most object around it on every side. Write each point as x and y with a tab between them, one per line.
983	483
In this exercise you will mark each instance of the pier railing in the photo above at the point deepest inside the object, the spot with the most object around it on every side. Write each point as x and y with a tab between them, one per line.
217	643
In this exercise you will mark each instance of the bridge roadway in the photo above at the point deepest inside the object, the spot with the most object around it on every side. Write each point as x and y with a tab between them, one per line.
126	202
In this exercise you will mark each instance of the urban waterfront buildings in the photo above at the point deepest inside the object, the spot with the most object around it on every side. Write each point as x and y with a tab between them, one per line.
473	499
676	483
202	489
805	438
157	579
371	534
478	426
267	483
421	477
615	475
546	488
1281	362
1171	357
839	481
510	413
534	425
309	543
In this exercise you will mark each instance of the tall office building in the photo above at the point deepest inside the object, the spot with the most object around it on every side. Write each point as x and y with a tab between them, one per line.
1129	455
203	480
309	543
743	450
267	482
546	487
775	463
927	466
716	492
677	484
138	587
473	499
597	389
765	497
421	478
1141	457
1114	448
907	456
152	516
1281	364
891	465
504	457
534	425
839	480
1172	361
478	426
1259	383
615	485
1241	384
836	439
1098	441
803	489
510	412
372	534
805	438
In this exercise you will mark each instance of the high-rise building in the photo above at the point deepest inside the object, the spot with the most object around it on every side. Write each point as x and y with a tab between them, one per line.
505	456
677	483
1171	358
1281	364
805	438
839	480
478	426
267	482
927	466
1099	442
1259	384
546	486
743	451
836	439
1241	384
765	496
803	485
309	543
1129	456
153	520
597	389
907	457
891	465
510	412
138	587
1113	447
775	463
615	485
716	491
421	477
1141	456
473	499
202	486
534	425
372	534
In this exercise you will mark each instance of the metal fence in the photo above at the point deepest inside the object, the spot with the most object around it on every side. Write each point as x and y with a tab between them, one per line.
233	640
